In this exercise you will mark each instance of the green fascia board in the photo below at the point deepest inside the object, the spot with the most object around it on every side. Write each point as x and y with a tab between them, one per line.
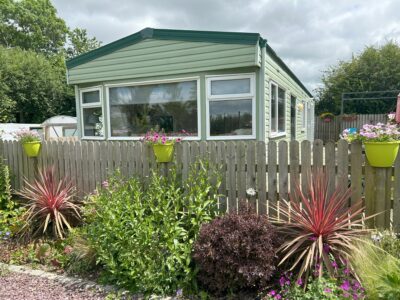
167	34
245	38
280	62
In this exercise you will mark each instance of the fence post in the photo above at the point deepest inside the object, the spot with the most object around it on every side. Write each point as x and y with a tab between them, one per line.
396	196
369	194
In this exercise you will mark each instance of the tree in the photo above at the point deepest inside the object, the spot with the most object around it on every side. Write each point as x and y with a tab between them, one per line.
31	25
34	43
375	69
79	43
35	84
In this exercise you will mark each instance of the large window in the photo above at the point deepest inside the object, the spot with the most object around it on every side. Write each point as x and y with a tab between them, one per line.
278	110
230	107
91	113
172	107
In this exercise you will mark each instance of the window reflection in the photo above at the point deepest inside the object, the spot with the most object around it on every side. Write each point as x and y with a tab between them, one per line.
171	107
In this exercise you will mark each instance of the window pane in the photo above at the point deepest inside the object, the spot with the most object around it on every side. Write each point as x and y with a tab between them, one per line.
281	110
91	97
273	108
231	117
92	121
138	109
231	86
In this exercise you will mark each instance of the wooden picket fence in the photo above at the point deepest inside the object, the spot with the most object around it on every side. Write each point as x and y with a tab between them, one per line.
271	169
330	131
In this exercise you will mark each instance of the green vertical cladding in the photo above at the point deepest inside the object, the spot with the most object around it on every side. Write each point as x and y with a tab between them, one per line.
153	57
276	71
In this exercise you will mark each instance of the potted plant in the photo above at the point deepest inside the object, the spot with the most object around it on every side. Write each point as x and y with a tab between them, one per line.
381	142
163	146
327	117
30	141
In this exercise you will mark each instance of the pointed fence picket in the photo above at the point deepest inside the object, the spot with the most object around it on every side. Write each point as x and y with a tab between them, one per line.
272	169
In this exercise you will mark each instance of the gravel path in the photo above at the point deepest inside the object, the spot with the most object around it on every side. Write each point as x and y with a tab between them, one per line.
16	286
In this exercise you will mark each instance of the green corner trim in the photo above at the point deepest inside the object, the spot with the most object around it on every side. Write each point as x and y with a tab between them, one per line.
280	62
167	34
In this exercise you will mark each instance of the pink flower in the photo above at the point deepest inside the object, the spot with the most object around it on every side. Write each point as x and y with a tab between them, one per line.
105	184
345	285
68	250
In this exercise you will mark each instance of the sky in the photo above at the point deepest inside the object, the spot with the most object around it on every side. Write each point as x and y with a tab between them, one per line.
309	35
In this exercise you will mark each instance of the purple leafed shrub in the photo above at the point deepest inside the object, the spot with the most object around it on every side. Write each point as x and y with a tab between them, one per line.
236	252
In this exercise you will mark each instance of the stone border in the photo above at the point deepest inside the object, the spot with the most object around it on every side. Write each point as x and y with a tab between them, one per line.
77	282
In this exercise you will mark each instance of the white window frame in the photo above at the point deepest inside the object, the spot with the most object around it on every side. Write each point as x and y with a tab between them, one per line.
152	82
244	96
273	134
92	105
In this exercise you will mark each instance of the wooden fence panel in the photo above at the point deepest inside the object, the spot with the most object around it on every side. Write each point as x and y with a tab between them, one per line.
272	176
270	169
330	166
283	171
330	131
261	178
231	182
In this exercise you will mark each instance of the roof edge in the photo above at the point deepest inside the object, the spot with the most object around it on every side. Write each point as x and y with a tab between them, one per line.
245	38
280	62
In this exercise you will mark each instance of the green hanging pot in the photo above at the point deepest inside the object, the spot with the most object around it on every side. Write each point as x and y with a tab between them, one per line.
164	152
32	149
381	154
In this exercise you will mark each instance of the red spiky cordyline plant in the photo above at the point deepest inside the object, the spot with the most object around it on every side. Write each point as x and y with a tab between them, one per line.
50	202
318	225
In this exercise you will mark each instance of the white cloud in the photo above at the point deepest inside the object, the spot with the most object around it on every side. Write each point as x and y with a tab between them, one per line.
309	35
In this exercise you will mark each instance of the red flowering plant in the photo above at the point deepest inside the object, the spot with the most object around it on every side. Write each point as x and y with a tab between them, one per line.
160	138
50	203
319	227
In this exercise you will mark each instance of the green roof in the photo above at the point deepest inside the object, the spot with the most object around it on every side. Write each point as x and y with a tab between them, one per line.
245	38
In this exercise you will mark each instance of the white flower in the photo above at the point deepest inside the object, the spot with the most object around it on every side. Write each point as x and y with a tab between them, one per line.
251	192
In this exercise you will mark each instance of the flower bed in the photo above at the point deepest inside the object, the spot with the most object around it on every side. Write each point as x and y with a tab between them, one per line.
164	236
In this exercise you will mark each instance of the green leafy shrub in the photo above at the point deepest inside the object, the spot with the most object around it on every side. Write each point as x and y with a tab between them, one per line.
378	270
81	256
11	220
5	185
236	252
143	232
388	241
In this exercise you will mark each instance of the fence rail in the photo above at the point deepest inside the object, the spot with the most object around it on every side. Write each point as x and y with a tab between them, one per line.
271	169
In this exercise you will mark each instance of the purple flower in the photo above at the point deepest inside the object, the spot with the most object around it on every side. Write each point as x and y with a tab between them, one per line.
345	285
347	271
327	290
179	293
357	285
278	297
326	248
272	293
299	282
282	281
334	265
